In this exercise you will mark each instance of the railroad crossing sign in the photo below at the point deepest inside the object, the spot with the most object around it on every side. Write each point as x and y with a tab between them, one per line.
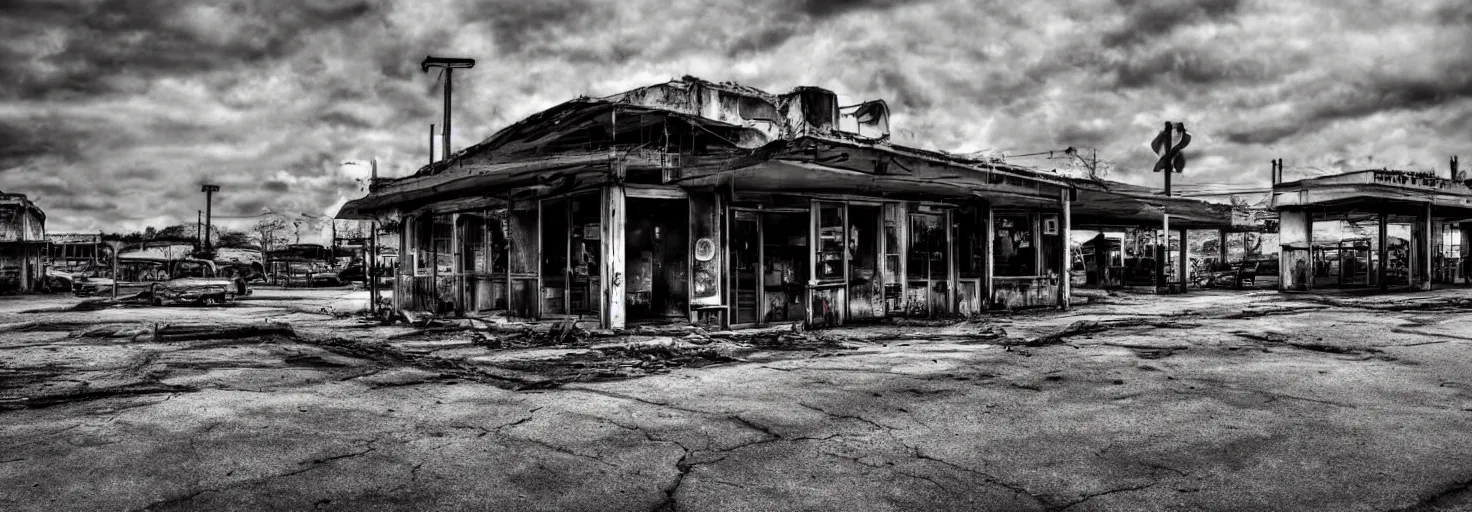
1171	157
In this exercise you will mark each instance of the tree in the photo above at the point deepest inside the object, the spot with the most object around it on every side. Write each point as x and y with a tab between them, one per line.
269	232
1091	166
231	238
179	232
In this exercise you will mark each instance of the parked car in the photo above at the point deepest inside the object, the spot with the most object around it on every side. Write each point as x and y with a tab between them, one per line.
167	281
306	273
356	272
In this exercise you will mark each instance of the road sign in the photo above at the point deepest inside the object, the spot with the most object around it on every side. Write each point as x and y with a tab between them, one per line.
1171	157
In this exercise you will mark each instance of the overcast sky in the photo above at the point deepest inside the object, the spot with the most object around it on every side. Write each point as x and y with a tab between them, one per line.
113	112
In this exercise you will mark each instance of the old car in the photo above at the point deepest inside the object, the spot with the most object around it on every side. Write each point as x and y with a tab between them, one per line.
165	281
305	273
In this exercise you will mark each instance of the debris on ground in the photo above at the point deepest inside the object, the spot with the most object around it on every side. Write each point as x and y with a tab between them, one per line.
187	332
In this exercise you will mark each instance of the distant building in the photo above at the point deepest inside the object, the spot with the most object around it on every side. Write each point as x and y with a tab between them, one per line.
22	244
72	250
1363	212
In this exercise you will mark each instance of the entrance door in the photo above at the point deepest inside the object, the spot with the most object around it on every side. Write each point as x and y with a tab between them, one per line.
866	295
657	259
927	284
745	266
785	257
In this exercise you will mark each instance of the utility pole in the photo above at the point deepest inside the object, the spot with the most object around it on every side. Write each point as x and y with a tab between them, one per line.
372	266
198	224
449	65
209	199
1171	161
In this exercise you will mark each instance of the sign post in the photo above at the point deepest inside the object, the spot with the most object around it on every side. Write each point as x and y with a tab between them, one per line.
1171	161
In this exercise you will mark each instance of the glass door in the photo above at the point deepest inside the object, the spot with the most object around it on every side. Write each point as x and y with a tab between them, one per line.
745	266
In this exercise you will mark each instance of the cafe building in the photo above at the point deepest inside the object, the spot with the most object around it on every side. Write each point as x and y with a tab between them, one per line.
1377	228
720	204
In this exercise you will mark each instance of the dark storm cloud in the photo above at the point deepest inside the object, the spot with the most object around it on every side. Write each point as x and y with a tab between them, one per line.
110	42
1375	95
27	139
1148	19
138	102
829	8
516	24
1189	67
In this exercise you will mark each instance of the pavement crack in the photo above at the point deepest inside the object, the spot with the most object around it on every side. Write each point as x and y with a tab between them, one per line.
985	477
529	415
1446	496
565	451
855	417
1087	497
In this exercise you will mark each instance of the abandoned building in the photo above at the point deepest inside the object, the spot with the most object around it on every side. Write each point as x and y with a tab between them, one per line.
720	203
1139	239
23	244
1374	228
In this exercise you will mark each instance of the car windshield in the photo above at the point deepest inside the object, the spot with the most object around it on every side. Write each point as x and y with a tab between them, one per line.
191	269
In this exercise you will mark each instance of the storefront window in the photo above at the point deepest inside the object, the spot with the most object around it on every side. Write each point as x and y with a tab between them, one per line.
1015	248
830	241
970	243
927	257
443	231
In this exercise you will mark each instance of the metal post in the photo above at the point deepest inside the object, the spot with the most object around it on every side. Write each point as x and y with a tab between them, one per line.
1427	247
1384	252
1066	231
1185	258
209	198
372	267
449	65
1169	135
445	130
431	144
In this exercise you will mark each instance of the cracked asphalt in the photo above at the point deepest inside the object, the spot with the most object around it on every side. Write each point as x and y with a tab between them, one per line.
1208	401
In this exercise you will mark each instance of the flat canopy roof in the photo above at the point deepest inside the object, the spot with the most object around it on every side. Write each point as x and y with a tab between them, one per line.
1111	204
1389	191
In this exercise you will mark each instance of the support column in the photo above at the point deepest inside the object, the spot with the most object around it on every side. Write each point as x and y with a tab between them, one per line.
1466	253
457	267
991	255
1383	251
1161	281
1185	260
1295	239
1221	246
1427	246
611	227
1065	230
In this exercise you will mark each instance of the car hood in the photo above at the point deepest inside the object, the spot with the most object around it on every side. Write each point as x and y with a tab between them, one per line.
198	281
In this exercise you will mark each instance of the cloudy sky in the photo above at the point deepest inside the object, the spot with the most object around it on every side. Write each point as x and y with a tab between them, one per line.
113	112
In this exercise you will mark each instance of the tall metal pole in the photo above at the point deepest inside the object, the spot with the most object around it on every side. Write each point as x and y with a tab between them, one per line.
1169	135
198	227
449	65
209	198
431	144
449	85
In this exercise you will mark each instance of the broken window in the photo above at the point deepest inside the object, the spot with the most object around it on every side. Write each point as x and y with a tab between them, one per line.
1015	250
442	232
970	243
830	241
928	258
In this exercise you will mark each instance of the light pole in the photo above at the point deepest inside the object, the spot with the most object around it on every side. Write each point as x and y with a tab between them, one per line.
209	199
449	65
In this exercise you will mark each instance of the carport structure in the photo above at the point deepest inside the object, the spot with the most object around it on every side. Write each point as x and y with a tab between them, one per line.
1107	206
1438	209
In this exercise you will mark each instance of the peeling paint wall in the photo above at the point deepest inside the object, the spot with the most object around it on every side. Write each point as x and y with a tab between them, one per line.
1023	292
